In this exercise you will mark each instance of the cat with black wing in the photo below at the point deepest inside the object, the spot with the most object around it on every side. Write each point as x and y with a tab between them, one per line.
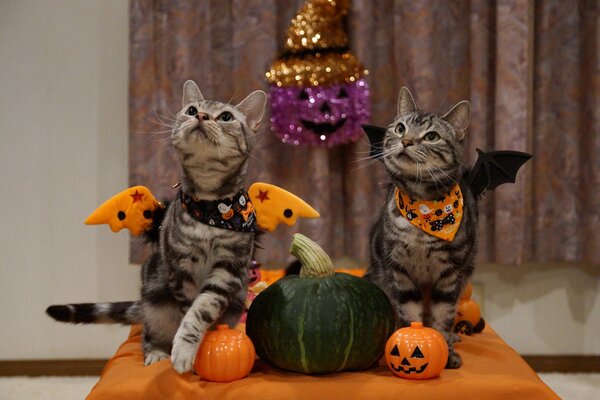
422	248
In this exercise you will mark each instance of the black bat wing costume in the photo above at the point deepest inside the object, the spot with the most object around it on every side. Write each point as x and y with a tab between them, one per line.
490	170
495	168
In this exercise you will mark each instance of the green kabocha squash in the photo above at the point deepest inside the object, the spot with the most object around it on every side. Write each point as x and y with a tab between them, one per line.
319	321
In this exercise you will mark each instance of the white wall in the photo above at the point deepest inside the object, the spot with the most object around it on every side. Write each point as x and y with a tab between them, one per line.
543	309
63	150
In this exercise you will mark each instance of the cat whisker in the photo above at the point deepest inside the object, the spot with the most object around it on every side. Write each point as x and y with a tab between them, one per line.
371	160
159	122
445	173
363	152
432	175
364	158
368	161
249	154
161	117
436	180
162	140
152	135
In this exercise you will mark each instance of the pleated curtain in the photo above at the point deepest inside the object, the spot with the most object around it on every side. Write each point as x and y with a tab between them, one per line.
529	68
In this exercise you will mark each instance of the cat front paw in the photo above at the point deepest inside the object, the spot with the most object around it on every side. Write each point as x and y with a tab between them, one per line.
454	360
183	354
155	356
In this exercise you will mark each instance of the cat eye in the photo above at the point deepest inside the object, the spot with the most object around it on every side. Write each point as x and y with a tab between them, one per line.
303	95
191	111
343	94
400	129
432	136
225	116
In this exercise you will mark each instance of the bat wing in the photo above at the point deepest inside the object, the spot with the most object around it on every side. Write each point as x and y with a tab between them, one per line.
274	205
495	168
376	135
132	208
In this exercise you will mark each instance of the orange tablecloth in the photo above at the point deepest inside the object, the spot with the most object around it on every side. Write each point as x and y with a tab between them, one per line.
491	370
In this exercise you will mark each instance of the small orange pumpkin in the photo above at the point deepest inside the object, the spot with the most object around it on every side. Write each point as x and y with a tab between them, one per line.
470	311
468	318
225	355
468	314
416	352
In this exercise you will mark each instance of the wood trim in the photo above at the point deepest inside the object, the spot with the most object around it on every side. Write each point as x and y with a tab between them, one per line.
52	367
562	363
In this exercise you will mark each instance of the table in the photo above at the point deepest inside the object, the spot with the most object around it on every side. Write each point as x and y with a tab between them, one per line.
491	370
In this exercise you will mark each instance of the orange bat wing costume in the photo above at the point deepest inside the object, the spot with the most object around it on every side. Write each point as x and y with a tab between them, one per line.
134	208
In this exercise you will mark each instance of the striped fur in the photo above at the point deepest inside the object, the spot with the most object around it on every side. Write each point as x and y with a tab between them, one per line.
423	275
197	276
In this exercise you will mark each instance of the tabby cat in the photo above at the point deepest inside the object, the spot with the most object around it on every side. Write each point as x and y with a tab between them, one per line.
422	274
197	275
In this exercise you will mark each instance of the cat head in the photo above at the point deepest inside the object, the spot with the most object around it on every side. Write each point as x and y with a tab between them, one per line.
213	141
206	129
425	148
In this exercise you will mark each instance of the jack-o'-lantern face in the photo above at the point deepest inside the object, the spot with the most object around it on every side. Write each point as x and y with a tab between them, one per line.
405	364
416	352
320	115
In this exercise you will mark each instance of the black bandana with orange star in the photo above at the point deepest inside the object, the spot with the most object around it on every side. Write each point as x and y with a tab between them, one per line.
235	214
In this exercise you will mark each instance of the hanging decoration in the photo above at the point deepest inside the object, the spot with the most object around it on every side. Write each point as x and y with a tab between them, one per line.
318	93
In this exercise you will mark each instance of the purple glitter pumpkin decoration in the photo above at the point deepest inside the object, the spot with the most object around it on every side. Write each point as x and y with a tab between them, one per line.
320	115
318	94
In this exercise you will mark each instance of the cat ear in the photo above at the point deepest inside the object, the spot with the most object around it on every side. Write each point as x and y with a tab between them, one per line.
253	107
406	103
191	93
459	117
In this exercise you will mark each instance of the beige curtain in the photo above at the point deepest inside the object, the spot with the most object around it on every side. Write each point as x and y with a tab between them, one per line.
530	69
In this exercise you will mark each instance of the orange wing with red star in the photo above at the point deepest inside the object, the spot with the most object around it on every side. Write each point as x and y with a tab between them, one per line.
275	205
132	208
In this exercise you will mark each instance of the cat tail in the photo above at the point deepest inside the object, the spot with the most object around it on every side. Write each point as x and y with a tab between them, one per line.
124	312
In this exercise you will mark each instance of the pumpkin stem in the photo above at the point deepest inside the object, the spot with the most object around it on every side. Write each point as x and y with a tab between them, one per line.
315	262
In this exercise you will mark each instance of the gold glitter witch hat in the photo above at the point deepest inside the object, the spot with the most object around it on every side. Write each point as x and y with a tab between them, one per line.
316	49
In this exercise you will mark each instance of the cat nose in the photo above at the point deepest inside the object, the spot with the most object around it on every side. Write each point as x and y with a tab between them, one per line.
406	142
325	107
202	116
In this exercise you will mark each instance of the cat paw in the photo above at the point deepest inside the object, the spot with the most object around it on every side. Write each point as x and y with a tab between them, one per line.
182	355
154	356
454	360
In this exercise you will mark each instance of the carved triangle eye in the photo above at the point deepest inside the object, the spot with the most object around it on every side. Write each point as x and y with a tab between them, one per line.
417	353
395	351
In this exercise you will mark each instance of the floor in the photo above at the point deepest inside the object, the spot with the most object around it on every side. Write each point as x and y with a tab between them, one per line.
567	386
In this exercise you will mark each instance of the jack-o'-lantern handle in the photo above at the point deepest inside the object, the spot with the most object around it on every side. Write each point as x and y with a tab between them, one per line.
315	262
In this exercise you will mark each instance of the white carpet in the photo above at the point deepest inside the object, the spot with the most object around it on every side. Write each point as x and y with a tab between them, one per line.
46	388
574	386
567	386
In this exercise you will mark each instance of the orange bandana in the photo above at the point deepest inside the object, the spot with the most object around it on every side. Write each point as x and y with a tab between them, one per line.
440	218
